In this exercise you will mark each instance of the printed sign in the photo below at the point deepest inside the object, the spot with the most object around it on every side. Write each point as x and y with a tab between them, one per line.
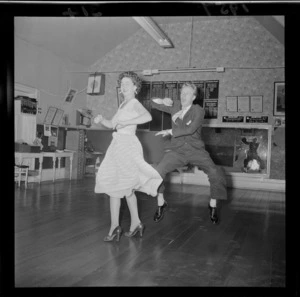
263	119
237	119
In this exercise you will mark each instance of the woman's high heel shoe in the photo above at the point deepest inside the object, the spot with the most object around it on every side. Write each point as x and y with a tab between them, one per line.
140	228
116	234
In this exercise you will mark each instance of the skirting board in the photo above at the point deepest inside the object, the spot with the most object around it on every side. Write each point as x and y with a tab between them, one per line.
197	178
238	182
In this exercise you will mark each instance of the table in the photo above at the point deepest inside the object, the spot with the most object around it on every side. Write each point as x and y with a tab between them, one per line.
59	155
19	156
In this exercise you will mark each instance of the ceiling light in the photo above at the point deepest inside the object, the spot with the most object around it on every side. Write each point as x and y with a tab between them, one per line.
155	31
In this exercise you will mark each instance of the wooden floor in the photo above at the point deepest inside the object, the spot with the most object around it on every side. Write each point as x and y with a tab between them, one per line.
59	231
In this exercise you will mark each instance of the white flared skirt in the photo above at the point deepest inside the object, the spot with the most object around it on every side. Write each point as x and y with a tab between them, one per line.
124	170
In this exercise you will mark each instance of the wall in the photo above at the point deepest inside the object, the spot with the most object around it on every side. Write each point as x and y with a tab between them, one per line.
41	69
236	43
240	44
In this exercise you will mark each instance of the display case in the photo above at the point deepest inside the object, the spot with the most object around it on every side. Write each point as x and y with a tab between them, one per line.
239	148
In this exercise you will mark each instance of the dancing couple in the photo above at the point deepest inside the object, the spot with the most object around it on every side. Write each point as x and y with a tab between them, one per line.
124	170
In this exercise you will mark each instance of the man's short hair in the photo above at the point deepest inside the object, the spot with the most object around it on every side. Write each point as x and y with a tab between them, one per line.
192	86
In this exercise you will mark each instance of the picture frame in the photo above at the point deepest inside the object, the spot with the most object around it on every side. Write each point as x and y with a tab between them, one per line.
70	95
96	84
256	103
231	103
279	98
47	130
57	118
50	115
243	103
211	109
251	153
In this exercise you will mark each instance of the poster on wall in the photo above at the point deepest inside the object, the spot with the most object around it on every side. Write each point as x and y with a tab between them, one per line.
171	90
243	103
200	92
70	95
157	89
231	104
212	89
279	98
256	103
211	109
144	95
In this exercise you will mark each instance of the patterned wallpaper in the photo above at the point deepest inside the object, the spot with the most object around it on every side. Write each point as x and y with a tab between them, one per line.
233	43
239	44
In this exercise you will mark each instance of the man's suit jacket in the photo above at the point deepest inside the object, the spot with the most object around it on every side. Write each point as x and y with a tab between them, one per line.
186	130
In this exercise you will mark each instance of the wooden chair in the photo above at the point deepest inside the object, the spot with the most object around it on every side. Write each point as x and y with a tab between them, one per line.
21	173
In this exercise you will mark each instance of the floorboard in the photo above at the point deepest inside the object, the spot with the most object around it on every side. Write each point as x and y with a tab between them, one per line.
59	231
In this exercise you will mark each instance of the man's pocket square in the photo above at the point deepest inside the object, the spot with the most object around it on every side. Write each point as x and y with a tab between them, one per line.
189	122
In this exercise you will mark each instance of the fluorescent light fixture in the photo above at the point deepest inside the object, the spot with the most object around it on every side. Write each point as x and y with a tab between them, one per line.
181	70
155	31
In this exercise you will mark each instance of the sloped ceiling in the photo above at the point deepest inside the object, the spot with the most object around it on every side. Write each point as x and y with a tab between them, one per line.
84	40
275	25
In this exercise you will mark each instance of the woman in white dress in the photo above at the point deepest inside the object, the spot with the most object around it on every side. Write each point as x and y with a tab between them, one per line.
124	170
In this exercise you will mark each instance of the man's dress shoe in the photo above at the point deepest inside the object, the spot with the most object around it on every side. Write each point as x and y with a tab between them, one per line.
213	214
159	214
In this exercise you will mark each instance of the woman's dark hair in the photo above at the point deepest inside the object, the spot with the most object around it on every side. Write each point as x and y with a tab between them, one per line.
134	77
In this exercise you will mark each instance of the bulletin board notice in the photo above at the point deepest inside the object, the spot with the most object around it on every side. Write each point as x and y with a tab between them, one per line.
211	89
171	90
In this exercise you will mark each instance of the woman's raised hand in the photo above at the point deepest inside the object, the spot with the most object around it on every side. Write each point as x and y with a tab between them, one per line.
98	119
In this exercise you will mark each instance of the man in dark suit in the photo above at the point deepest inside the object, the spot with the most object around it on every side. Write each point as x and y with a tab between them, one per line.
187	147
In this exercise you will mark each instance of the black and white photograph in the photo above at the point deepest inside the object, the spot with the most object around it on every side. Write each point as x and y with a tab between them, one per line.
173	193
70	95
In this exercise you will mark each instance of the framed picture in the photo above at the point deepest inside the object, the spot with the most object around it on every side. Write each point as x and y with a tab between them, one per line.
50	115
243	103
211	109
251	153
47	130
96	84
279	98
256	103
231	103
57	118
70	95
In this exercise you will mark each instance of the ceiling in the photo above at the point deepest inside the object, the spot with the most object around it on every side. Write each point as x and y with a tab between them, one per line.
84	40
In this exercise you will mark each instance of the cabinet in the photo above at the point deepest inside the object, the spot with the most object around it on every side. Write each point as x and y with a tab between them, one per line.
240	149
25	113
75	143
25	128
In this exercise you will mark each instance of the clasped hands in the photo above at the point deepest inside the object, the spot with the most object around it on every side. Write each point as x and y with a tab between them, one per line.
98	119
